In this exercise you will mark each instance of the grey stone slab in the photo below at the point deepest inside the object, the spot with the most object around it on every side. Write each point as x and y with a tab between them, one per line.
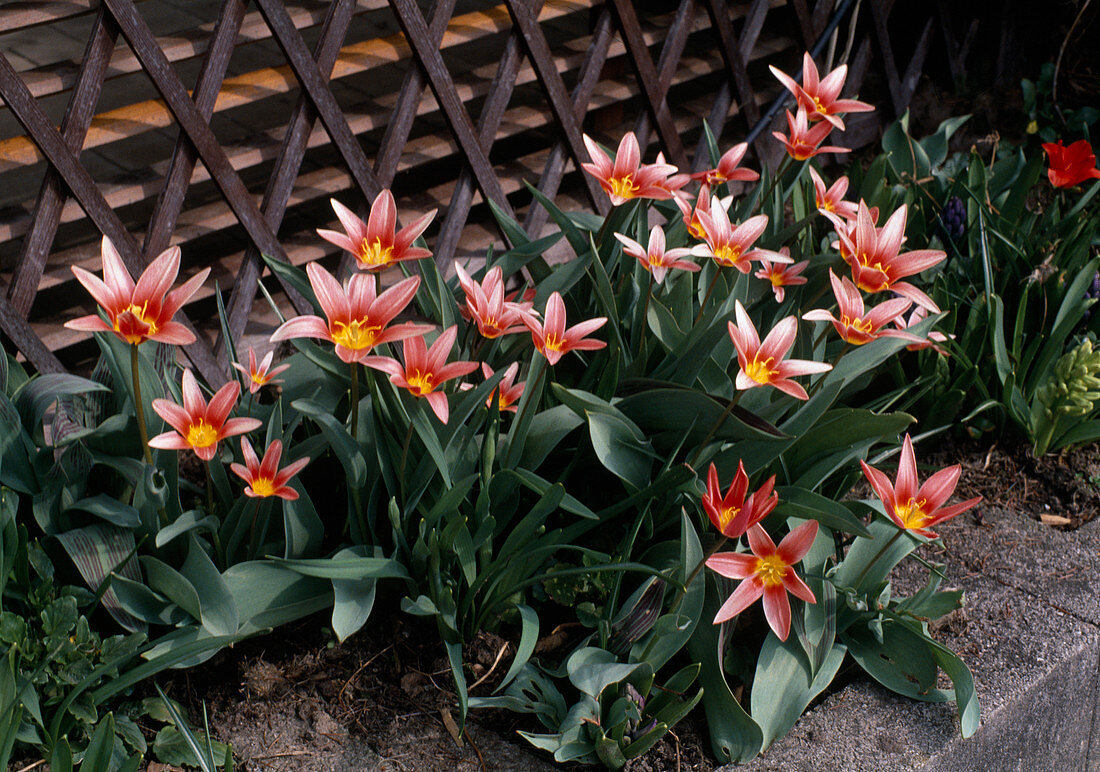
1035	668
1061	567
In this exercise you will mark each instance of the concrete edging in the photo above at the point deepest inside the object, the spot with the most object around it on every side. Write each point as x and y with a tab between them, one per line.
1030	632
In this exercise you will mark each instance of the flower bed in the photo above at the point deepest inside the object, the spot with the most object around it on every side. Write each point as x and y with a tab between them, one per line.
677	425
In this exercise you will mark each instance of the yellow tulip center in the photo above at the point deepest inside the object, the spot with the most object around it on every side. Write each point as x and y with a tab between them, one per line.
776	278
771	570
140	313
375	254
623	187
554	343
263	486
725	517
912	514
727	255
857	324
826	204
421	383
820	106
358	335
761	372
201	435
695	228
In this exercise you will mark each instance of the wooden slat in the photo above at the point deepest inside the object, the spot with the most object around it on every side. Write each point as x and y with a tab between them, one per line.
35	122
29	13
185	44
281	183
648	79
51	197
243	90
442	85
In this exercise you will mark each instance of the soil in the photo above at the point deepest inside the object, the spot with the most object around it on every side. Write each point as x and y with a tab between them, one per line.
383	700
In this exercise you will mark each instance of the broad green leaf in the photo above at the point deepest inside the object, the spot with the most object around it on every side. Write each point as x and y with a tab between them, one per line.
529	635
268	596
218	609
172	584
784	685
799	502
110	509
34	397
342	444
347	565
734	736
621	448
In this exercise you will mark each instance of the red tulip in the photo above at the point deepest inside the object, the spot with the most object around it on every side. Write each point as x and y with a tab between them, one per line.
143	311
200	426
1071	165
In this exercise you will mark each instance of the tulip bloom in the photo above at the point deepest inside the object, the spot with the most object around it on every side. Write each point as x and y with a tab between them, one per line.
142	311
260	376
265	478
769	573
855	324
912	508
728	169
830	202
702	203
919	314
729	246
628	177
781	275
487	306
656	259
377	244
873	254
552	339
1071	165
199	426
805	142
357	318
817	96
762	364
733	514
425	369
510	392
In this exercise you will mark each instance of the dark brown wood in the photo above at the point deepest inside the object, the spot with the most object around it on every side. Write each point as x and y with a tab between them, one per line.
281	183
733	57
916	64
880	12
170	200
500	92
51	197
52	145
316	86
588	79
15	327
525	15
412	91
805	23
646	73
671	52
213	156
416	32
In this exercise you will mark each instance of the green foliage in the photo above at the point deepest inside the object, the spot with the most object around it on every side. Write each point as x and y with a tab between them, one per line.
1018	283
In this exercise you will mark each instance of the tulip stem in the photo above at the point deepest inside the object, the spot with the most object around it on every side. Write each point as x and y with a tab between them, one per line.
405	457
718	425
139	404
355	401
879	554
710	291
253	546
682	592
645	313
786	162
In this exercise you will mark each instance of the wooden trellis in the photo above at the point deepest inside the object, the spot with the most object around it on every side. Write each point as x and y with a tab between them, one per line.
594	64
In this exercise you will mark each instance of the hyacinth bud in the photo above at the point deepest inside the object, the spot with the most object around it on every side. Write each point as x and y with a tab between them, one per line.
1072	389
953	218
